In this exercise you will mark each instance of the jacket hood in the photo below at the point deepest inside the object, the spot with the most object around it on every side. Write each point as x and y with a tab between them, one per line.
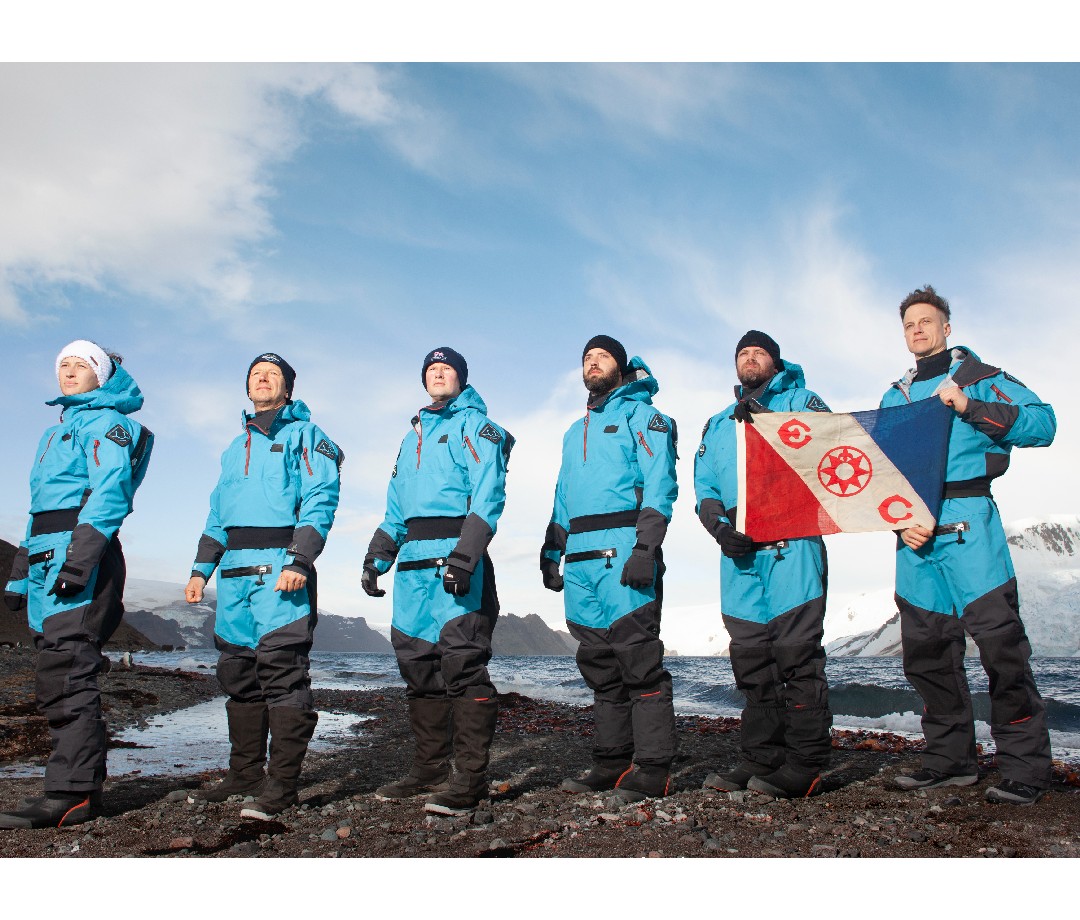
790	378
295	411
466	399
120	392
639	384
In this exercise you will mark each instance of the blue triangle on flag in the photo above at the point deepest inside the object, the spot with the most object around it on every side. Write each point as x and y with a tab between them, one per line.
915	437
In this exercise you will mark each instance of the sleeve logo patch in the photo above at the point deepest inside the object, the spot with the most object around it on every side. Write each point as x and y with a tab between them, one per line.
817	404
325	448
657	423
119	435
491	433
1010	377
393	475
701	450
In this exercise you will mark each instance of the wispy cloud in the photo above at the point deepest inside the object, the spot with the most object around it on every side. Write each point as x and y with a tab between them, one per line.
156	179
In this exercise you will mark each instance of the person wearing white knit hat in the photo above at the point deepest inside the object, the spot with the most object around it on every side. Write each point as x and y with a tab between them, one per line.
68	574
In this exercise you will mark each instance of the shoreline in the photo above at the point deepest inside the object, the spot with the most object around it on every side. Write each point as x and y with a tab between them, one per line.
537	744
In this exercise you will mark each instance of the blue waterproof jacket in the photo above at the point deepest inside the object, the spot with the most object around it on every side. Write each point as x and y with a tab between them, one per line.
1001	414
716	467
452	463
620	456
287	476
92	461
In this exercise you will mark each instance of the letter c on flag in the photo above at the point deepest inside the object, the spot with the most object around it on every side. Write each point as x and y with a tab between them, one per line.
885	509
795	433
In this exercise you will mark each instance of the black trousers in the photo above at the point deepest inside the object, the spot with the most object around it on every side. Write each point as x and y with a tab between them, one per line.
68	664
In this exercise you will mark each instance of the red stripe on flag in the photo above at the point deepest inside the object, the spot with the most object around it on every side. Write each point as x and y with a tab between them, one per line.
779	505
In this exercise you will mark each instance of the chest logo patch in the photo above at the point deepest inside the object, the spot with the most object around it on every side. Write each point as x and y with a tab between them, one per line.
325	448
118	435
491	433
657	423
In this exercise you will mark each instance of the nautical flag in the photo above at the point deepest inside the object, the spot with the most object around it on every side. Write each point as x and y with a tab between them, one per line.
808	473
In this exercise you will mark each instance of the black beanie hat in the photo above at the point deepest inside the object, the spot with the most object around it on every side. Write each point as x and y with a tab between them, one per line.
282	365
612	346
761	340
446	356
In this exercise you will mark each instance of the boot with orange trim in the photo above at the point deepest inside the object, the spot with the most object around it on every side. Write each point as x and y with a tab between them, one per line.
789	782
54	809
644	781
604	774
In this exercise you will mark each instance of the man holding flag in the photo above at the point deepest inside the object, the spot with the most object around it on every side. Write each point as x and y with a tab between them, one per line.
772	593
958	577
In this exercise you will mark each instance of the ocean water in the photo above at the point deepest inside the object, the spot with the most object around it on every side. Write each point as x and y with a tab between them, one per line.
865	693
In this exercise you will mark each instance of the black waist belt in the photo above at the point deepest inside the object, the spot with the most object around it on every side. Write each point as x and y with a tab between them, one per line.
54	521
258	538
959	528
40	557
967	488
247	570
421	564
607	554
775	544
433	528
590	522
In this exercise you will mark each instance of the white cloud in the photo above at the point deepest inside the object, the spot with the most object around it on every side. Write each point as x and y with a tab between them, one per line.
153	178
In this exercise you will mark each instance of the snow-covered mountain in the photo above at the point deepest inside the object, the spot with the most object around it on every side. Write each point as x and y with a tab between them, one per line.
1046	556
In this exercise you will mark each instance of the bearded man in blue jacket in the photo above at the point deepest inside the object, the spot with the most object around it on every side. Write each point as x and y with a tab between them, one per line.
772	595
613	503
959	577
443	504
270	514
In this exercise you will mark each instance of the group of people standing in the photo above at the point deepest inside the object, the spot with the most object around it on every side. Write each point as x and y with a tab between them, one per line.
275	502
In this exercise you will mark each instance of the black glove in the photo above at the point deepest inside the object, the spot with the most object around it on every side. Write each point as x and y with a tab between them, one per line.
639	571
369	581
67	585
743	412
549	571
456	581
733	542
15	602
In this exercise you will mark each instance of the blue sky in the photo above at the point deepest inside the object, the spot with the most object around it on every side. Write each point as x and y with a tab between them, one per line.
353	217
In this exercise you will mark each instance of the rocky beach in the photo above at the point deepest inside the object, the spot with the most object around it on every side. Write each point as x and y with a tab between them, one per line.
537	744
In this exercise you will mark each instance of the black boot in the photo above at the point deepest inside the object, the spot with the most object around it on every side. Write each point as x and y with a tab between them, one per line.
290	731
474	729
644	781
736	779
787	783
54	809
604	774
249	726
430	721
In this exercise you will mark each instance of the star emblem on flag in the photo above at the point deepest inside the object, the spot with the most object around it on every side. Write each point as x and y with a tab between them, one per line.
845	471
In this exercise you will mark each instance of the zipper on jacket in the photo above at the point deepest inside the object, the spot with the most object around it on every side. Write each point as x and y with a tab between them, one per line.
419	426
641	438
472	449
308	465
47	446
97	444
247	453
585	439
